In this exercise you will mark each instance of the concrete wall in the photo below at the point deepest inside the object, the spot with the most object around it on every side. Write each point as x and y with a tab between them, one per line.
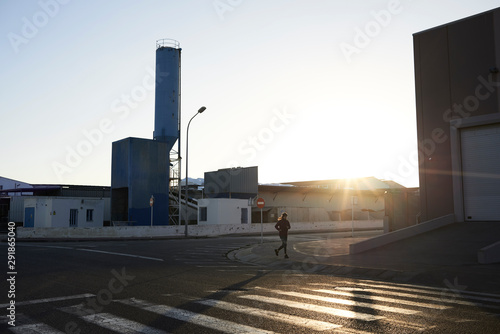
453	64
193	230
402	234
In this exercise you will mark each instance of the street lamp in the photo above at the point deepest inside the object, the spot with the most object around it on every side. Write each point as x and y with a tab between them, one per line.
202	109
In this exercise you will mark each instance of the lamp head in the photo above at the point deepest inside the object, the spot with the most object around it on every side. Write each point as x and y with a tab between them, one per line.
202	109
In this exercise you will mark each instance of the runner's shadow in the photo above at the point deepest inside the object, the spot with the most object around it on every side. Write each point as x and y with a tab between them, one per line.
363	304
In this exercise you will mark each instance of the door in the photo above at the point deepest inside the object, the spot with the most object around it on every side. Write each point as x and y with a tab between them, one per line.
29	217
481	172
244	215
73	217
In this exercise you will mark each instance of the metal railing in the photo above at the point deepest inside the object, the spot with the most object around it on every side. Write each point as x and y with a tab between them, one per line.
167	43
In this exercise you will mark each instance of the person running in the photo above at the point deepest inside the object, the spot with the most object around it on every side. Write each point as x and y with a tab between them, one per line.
283	225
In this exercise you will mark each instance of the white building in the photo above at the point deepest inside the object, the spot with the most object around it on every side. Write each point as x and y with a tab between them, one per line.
63	212
224	211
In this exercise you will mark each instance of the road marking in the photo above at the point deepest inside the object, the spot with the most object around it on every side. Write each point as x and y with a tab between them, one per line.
410	325
35	329
433	290
48	300
110	321
442	289
291	319
194	318
218	266
99	251
344	302
25	324
120	254
315	308
352	293
449	294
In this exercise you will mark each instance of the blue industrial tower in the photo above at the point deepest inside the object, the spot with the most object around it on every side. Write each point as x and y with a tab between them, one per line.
140	168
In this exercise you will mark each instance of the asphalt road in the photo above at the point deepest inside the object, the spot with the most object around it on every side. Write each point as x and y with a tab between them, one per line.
191	286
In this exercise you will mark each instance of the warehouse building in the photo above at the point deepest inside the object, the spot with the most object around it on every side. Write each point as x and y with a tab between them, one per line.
458	118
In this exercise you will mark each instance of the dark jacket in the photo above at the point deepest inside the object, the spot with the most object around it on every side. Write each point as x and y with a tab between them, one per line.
282	226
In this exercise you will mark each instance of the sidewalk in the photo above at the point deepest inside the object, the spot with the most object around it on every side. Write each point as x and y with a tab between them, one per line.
445	258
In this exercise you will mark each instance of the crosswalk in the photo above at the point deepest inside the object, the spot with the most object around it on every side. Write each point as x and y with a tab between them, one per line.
361	306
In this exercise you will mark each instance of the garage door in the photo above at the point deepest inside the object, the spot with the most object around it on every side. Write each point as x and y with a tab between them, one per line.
481	172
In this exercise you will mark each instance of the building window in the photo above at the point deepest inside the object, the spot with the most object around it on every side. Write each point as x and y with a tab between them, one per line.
90	215
203	213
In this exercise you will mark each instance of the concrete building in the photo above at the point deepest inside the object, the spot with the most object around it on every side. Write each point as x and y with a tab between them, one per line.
224	211
458	118
40	211
13	202
340	200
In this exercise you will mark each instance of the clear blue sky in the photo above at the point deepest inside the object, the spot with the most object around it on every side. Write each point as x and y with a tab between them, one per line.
305	90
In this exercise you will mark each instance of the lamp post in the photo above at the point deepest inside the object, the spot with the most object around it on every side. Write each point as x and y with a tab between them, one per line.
202	109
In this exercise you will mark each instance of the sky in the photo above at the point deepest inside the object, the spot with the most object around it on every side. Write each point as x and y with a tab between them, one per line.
305	90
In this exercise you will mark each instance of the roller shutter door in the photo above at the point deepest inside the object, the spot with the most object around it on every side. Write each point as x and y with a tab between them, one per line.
481	172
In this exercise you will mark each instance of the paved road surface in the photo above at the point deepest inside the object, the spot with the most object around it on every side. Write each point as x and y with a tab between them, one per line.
192	286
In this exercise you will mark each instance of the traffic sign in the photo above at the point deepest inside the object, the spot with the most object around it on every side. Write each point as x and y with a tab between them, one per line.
260	203
151	201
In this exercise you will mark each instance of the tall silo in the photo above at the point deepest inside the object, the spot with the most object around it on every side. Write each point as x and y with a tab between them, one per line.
142	168
167	91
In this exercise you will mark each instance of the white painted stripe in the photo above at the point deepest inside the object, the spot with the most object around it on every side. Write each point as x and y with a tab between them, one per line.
120	254
194	318
110	321
315	308
426	289
242	270
281	317
442	289
352	294
35	329
346	330
49	300
217	266
25	324
343	302
459	294
104	252
120	325
205	262
451	297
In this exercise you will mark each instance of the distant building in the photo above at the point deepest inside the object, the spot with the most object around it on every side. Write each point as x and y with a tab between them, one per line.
41	211
340	200
6	184
458	118
42	205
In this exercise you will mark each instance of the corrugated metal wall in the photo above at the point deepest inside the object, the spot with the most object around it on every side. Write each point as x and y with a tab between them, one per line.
232	183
